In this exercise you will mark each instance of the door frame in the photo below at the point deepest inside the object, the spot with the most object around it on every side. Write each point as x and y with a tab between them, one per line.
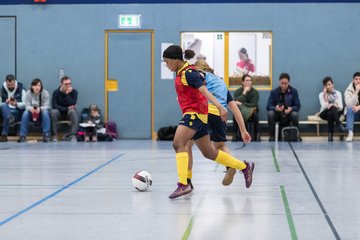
106	79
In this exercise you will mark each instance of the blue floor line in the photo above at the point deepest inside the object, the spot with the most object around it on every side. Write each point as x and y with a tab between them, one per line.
8	219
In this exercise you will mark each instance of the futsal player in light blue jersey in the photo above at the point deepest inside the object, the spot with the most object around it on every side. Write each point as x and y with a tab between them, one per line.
218	88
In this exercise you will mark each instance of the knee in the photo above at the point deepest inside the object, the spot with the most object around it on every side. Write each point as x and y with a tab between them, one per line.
349	111
72	111
333	109
45	113
72	114
176	146
294	115
55	113
271	114
210	154
26	115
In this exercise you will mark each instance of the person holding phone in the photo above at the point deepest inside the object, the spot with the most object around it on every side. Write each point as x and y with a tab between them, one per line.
283	105
12	104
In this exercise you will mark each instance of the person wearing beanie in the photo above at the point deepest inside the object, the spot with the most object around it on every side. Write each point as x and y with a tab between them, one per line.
193	99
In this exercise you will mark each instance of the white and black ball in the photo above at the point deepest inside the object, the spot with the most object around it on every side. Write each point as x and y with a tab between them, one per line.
142	180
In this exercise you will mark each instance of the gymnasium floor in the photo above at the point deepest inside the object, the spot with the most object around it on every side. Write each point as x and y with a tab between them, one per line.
78	191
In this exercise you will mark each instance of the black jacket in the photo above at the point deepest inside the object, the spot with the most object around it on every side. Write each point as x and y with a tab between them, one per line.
62	101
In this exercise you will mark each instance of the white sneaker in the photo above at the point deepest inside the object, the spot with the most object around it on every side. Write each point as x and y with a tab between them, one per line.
350	136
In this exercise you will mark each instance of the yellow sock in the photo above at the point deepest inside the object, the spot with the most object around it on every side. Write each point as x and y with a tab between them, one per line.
182	162
189	174
229	161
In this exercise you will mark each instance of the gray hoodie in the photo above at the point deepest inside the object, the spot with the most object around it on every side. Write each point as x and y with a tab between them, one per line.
32	99
351	98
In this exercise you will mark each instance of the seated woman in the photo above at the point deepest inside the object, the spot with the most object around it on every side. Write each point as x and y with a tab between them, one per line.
247	98
331	107
37	105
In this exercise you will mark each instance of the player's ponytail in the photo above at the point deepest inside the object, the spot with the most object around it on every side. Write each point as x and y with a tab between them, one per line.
189	54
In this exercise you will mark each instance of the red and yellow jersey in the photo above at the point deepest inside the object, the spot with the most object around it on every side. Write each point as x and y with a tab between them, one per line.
190	99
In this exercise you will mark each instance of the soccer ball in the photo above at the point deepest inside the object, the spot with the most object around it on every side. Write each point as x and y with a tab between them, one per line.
142	180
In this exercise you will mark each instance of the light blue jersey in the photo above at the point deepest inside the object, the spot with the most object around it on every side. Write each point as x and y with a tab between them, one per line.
218	88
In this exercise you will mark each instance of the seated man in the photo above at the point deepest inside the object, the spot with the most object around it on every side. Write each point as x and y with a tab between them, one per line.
64	107
247	98
352	109
12	104
283	105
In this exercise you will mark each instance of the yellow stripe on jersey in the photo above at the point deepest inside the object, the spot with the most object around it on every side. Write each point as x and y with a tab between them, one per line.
183	79
182	68
213	109
202	117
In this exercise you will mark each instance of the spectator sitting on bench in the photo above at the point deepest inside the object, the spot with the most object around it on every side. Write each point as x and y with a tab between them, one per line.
283	106
247	98
331	107
64	107
37	105
352	100
12	104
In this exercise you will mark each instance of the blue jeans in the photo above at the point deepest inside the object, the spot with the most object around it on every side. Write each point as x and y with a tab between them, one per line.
45	122
351	117
8	112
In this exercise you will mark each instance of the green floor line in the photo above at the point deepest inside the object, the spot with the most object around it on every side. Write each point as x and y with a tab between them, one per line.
288	214
192	219
277	167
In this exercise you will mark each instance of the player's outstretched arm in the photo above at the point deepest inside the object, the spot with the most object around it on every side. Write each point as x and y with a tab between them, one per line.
240	121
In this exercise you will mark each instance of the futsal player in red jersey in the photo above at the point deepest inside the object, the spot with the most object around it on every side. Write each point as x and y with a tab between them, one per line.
193	99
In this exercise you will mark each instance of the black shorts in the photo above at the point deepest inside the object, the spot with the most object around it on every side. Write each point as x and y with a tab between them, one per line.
194	122
218	128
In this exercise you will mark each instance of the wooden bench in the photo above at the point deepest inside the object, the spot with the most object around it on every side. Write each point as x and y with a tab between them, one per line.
318	123
305	122
62	122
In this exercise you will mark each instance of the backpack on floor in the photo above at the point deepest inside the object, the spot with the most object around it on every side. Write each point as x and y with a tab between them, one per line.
111	129
166	133
290	134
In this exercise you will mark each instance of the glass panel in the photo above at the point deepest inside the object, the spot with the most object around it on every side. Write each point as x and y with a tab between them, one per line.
250	53
206	44
246	53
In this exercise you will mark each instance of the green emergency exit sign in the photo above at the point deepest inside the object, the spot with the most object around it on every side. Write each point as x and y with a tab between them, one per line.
130	21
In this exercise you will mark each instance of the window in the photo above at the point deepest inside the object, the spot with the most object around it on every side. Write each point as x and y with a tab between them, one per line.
233	54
